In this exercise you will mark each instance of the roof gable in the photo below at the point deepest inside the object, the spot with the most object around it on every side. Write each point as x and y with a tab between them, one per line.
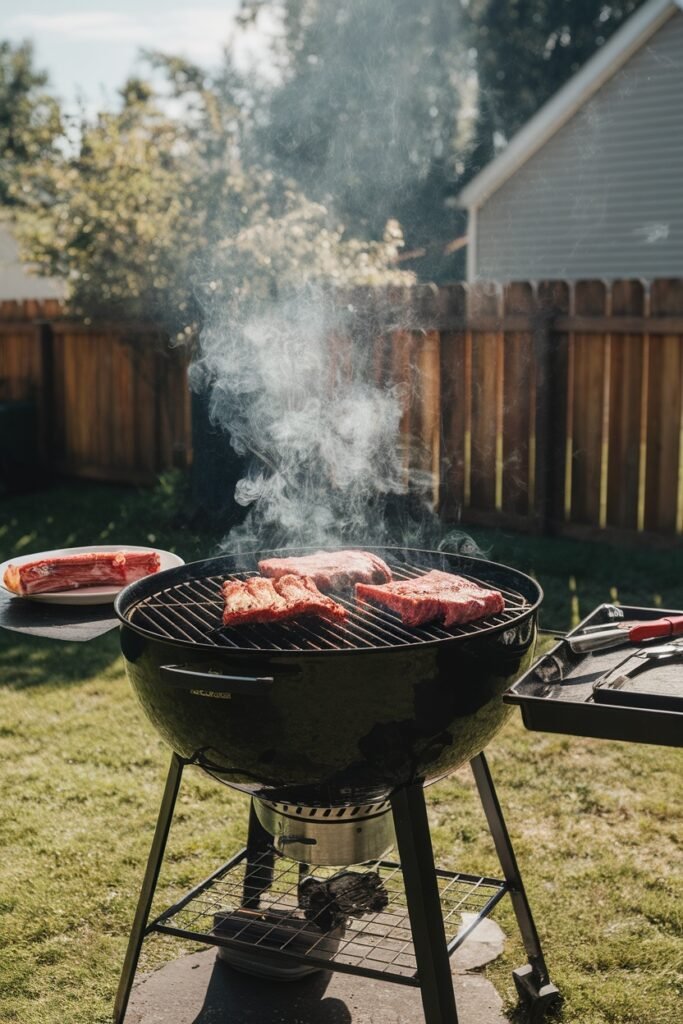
626	41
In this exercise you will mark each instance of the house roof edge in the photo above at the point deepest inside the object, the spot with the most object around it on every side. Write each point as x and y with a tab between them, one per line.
570	98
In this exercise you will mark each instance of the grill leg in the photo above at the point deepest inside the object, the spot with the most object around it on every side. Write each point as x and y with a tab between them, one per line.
424	906
258	875
149	882
532	983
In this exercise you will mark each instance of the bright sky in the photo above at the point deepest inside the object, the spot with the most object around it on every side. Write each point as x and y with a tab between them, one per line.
91	47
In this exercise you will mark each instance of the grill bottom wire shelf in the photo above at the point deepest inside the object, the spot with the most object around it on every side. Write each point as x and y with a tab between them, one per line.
376	945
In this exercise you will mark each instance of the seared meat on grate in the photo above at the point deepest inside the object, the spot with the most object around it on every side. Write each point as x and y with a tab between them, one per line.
336	570
262	600
70	572
251	600
436	595
303	597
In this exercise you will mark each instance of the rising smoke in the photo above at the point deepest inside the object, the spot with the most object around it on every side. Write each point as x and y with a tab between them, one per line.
319	439
318	432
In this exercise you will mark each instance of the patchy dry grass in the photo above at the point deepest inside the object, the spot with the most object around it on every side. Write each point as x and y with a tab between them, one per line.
597	826
598	834
82	779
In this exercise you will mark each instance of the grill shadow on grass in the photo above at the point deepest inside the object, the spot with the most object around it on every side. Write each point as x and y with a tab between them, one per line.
28	661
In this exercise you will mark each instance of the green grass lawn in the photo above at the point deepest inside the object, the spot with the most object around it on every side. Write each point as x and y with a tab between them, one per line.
597	826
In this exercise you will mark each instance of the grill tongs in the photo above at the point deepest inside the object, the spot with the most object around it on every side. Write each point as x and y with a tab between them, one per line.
600	638
618	689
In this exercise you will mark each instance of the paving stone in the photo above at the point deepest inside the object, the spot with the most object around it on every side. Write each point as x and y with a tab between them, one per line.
485	943
200	989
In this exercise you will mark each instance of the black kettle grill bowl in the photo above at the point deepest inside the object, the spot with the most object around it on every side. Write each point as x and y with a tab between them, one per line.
323	721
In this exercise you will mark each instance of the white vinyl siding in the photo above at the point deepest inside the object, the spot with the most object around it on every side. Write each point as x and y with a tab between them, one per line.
603	197
16	282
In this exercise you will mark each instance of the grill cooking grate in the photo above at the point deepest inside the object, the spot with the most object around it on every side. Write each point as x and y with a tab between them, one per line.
376	944
191	612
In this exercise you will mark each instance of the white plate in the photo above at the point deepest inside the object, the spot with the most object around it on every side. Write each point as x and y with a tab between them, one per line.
85	595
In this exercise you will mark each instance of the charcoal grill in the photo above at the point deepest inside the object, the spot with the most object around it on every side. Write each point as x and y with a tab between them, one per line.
314	712
333	730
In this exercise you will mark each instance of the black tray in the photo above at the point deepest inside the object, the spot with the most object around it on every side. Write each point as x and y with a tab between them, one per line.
556	694
55	621
657	691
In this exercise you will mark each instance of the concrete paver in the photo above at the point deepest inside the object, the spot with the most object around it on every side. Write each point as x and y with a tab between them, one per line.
200	989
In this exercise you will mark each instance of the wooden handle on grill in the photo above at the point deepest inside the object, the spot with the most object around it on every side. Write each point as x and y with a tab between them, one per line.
209	682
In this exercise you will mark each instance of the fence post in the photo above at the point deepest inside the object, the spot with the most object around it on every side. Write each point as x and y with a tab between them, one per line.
545	441
47	391
550	400
452	375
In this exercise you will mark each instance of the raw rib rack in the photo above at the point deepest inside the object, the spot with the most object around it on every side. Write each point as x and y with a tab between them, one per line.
375	944
191	612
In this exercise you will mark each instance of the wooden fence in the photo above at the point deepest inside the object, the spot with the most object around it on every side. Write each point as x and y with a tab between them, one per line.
111	405
541	406
560	405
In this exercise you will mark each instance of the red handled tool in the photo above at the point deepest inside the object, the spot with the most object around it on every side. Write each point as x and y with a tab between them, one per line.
637	633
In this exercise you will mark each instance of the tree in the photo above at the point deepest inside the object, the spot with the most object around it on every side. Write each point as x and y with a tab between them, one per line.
30	121
369	110
380	115
156	213
392	108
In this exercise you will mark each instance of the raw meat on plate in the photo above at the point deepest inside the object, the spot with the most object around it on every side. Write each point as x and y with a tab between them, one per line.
257	599
72	572
436	595
331	570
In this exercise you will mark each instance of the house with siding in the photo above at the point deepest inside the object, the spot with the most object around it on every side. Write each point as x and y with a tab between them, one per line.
16	280
592	186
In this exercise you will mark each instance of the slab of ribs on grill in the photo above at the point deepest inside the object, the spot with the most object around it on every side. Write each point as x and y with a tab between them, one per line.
434	596
290	588
330	570
71	572
262	600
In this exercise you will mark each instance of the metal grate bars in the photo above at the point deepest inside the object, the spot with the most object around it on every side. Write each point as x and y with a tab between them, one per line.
191	612
375	944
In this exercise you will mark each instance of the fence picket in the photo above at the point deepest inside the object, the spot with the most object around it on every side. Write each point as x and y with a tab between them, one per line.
587	399
453	424
663	501
626	411
517	427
